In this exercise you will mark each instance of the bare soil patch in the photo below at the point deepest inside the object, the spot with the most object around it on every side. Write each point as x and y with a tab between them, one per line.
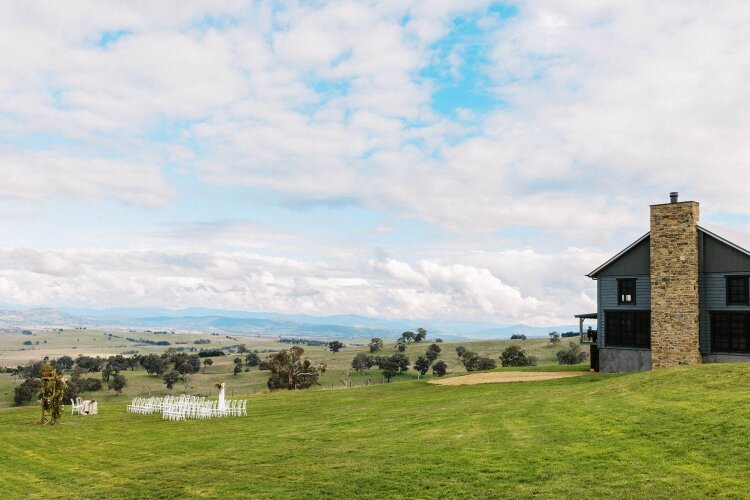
500	377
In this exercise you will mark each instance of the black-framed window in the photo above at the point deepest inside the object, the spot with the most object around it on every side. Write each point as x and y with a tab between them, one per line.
626	291
628	329
737	291
730	332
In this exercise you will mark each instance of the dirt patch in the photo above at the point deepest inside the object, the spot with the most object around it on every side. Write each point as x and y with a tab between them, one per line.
500	377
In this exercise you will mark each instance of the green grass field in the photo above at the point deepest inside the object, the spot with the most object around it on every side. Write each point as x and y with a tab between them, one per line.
676	433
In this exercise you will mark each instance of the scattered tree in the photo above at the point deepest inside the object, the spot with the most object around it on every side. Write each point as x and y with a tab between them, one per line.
153	364
289	371
408	336
518	336
27	390
438	341
554	338
474	362
171	379
401	345
460	351
335	346
515	356
421	335
117	383
433	352
393	365
422	364
64	363
252	359
376	344
439	368
362	362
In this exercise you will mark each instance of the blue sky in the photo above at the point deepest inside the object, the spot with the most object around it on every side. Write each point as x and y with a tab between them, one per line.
440	160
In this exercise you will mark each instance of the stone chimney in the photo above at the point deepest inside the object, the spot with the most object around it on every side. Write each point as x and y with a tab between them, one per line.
674	284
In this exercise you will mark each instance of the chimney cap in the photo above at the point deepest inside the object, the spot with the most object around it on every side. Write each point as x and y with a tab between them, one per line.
673	196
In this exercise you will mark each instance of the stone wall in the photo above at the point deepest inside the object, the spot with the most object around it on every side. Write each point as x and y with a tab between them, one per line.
674	285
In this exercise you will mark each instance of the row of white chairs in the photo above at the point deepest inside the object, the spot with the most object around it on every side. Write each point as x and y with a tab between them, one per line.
145	406
187	407
183	410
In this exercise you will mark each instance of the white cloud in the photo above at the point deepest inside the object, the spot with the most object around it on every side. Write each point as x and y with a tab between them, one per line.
604	108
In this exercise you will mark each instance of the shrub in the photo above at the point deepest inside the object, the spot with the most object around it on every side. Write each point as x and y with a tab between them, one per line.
28	342
264	365
460	351
573	355
515	356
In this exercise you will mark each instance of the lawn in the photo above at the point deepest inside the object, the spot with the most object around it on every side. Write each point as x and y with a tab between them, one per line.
675	433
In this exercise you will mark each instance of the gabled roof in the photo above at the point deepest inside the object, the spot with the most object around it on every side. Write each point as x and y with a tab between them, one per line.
599	269
735	239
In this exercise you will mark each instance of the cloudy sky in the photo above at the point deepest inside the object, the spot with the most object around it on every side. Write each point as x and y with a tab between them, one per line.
404	159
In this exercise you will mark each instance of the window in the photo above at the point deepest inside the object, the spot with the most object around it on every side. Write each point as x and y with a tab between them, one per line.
626	291
737	291
730	332
628	329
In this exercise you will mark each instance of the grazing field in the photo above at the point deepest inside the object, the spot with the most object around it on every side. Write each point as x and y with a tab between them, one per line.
98	343
675	433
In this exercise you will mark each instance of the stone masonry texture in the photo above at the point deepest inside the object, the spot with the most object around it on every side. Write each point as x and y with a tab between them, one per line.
674	285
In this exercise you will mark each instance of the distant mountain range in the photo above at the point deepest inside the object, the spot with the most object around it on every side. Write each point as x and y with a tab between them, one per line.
261	324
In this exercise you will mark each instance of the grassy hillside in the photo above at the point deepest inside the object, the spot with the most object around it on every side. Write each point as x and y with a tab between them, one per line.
675	433
139	383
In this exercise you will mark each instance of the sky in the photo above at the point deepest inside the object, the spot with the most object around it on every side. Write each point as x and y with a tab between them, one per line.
467	160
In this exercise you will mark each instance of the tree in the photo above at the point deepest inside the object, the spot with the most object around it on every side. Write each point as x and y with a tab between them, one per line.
153	364
518	336
400	345
289	371
573	355
237	366
515	356
439	368
376	344
460	351
433	352
402	361
554	338
422	364
421	335
438	341
362	362
408	336
117	383
335	346
242	348
64	363
206	363
252	359
171	379
393	365
186	364
474	362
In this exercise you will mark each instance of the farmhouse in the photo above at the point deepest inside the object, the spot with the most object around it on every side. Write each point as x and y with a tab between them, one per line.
676	296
